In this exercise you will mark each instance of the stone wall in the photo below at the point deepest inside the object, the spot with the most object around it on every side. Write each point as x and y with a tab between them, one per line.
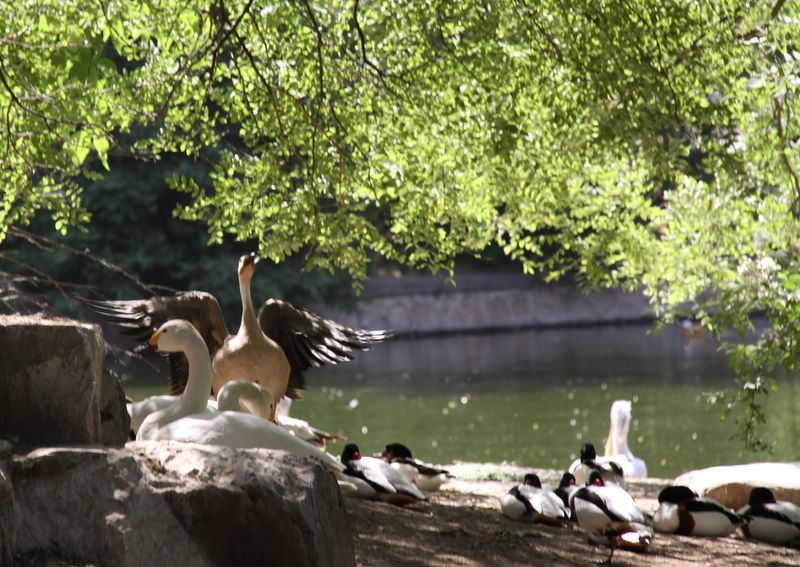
418	304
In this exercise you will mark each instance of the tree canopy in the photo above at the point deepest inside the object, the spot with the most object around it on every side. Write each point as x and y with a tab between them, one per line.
628	143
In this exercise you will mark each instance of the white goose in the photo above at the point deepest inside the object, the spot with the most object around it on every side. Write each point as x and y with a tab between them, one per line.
610	515
617	443
771	520
274	348
530	502
190	420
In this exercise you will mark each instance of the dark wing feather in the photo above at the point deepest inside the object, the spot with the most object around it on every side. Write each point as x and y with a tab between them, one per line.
309	341
139	318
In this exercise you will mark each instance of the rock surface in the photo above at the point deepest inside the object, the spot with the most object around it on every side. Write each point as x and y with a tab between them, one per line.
54	389
731	485
7	508
155	503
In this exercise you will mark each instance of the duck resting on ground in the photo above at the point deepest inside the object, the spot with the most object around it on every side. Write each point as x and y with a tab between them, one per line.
189	419
530	502
274	348
427	477
566	486
682	512
610	516
617	443
589	461
376	480
774	521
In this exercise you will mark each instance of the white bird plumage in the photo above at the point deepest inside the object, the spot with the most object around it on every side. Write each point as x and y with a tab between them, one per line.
588	461
427	477
189	419
617	443
681	511
771	520
530	502
376	480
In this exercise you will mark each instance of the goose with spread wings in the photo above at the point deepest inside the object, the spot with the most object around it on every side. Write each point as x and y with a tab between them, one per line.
273	348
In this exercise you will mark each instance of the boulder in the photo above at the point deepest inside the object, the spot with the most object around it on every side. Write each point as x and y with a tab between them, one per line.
731	485
54	388
154	503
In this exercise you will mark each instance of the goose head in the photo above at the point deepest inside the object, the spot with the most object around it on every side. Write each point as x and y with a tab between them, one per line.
174	336
247	266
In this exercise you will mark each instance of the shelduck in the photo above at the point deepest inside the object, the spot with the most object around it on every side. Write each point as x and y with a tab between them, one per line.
682	512
589	461
530	502
610	515
427	477
770	520
376	480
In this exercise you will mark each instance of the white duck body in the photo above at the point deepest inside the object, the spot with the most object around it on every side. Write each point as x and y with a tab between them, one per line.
376	479
682	512
609	469
617	443
189	418
533	504
610	515
771	521
427	477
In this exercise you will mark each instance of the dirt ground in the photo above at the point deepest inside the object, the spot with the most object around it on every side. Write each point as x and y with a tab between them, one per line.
461	525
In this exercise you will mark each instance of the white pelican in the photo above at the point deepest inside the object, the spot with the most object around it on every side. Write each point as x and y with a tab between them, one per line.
189	419
682	512
376	480
610	515
427	477
530	502
617	442
770	520
274	348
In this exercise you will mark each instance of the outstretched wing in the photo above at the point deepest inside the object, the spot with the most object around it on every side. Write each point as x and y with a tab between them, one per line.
308	340
139	318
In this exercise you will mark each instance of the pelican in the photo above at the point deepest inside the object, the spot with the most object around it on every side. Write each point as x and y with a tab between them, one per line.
189	419
617	442
275	348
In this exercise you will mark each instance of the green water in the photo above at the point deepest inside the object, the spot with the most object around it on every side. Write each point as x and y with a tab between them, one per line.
531	398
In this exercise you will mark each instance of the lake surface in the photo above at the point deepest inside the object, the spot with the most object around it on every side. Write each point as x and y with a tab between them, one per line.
532	397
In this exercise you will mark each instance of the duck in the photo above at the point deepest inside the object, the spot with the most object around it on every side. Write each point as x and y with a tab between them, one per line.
681	511
274	347
189	419
770	520
566	486
610	515
588	461
617	442
427	477
530	502
302	428
376	480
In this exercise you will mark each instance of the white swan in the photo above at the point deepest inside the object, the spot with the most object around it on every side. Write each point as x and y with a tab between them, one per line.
275	348
617	442
190	420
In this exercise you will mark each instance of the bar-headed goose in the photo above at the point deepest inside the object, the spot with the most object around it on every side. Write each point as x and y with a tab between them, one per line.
189	418
274	348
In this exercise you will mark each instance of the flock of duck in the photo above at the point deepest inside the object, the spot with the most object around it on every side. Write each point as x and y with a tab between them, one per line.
224	387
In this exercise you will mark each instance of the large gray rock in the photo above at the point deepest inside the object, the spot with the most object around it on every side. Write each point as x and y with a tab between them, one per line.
54	388
731	485
155	503
7	509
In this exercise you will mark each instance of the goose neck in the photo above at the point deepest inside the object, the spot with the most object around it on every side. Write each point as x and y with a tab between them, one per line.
249	319
195	396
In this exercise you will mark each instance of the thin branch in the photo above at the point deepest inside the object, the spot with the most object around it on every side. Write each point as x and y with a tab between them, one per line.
366	60
777	112
319	47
